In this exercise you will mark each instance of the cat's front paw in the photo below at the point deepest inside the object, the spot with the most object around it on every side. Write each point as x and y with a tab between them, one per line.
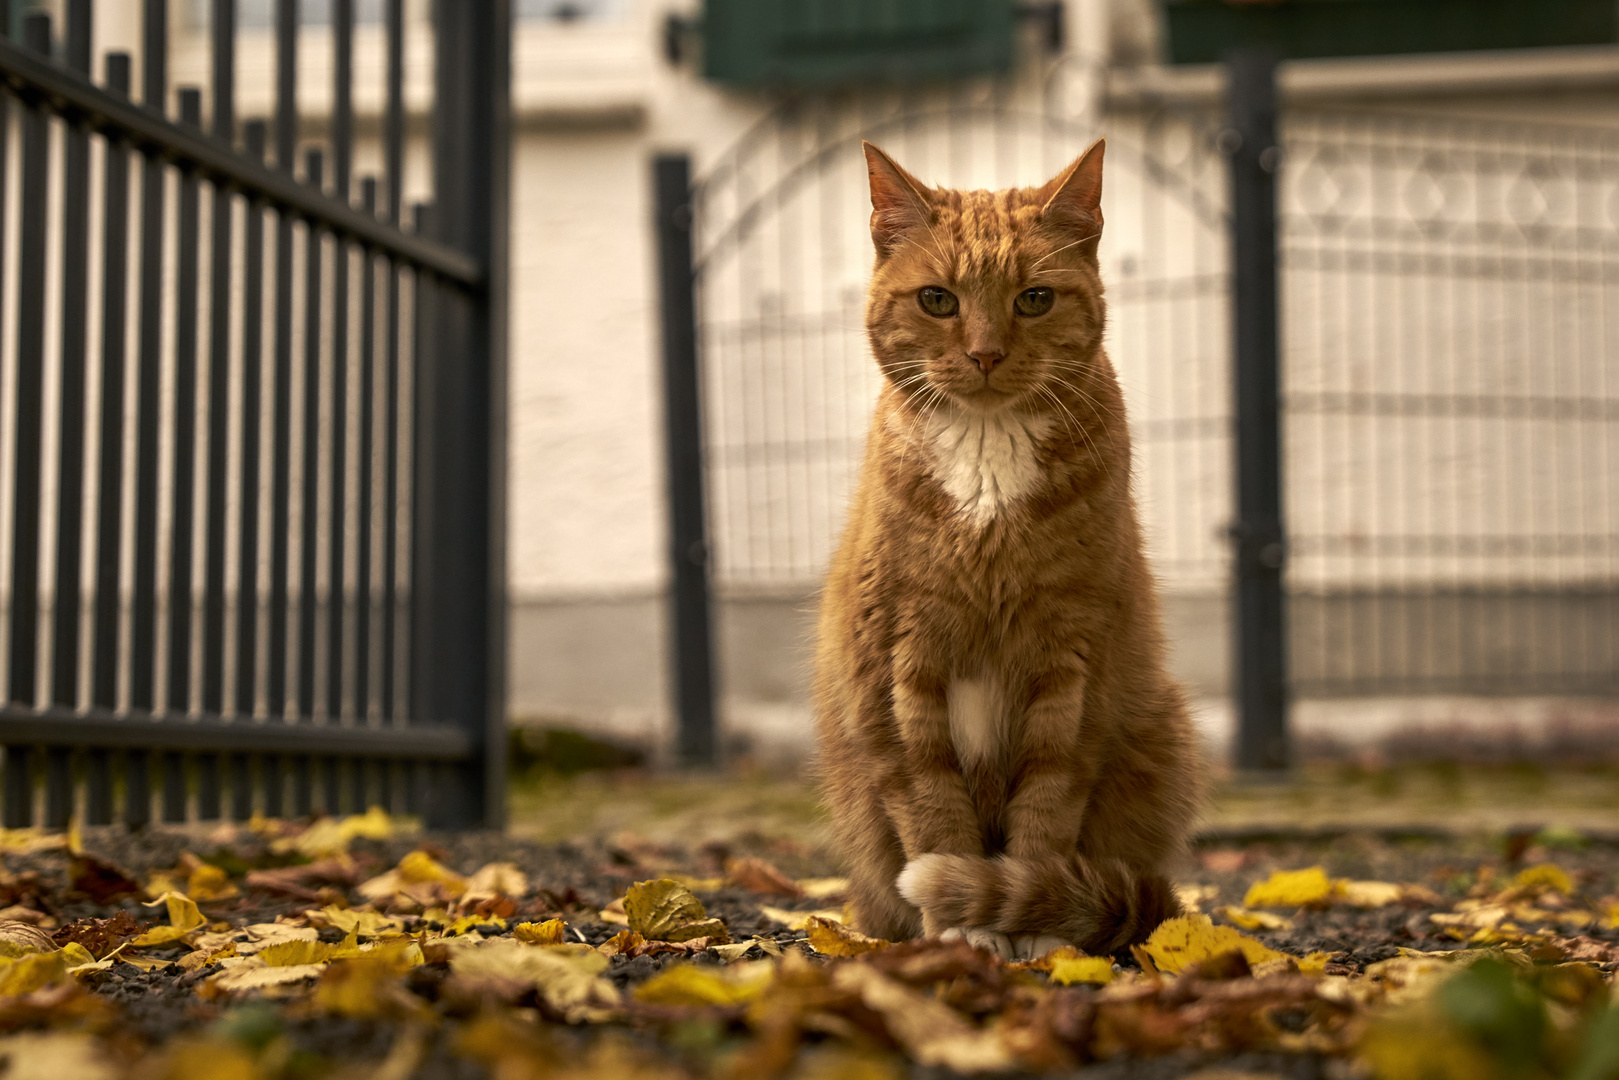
980	938
1034	946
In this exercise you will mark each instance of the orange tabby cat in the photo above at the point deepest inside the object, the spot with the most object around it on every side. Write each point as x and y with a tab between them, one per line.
1005	757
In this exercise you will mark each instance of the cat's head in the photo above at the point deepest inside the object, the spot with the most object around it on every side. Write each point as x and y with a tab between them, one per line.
986	299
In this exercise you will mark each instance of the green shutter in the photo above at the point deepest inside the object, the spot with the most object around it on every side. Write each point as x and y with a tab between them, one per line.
822	43
1201	31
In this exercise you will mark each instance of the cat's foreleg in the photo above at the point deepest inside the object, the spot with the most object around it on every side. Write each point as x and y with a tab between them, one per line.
1052	773
926	794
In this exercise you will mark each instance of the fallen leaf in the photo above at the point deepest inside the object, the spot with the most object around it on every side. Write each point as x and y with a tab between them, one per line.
368	987
824	888
17	938
54	1055
799	920
1190	939
759	876
208	882
360	921
689	984
664	910
1545	877
734	952
25	974
99	936
930	1031
549	932
494	881
184	919
332	836
1066	971
1370	894
1291	888
834	939
303	881
242	978
1248	919
1193	897
568	979
100	880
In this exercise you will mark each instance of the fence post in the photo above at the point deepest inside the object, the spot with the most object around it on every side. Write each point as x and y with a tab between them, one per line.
690	644
459	581
1260	652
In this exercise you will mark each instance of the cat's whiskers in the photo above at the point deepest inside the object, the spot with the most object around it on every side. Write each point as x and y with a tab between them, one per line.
1065	247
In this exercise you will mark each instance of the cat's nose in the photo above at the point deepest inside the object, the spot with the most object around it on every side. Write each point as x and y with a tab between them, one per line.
986	359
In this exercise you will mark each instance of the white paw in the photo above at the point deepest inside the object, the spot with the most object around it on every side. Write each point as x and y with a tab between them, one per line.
980	938
1034	946
913	881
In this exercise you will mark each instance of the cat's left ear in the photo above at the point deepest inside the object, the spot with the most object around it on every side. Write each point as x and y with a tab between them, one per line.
1073	198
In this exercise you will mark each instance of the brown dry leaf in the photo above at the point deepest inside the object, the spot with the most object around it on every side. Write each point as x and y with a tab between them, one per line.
664	910
19	913
255	936
930	1031
1191	939
549	932
100	936
303	881
55	1055
17	938
101	880
184	920
568	978
834	939
494	881
624	943
757	875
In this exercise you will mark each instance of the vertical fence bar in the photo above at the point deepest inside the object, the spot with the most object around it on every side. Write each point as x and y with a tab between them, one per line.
286	146
30	385
367	471
219	342
342	158
183	497
149	363
1260	542
247	589
309	594
110	482
75	353
458	590
393	152
691	640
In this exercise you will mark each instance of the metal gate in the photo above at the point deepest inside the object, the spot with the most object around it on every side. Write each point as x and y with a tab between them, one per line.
252	421
1450	452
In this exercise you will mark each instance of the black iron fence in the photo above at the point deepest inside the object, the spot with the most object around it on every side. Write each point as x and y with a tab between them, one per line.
1443	402
252	426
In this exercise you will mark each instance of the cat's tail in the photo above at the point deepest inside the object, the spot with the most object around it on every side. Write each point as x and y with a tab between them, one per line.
1100	905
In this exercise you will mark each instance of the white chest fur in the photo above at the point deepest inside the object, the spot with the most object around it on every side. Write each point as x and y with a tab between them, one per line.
987	461
977	709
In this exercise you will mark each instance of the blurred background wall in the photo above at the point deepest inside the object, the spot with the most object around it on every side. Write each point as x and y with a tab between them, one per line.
1449	361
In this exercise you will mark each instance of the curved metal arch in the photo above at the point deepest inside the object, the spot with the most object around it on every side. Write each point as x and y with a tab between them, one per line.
750	216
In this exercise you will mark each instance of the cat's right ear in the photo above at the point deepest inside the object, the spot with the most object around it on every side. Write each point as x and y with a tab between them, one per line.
899	201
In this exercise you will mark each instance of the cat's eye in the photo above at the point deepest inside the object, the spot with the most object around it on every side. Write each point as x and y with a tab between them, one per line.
1036	301
940	303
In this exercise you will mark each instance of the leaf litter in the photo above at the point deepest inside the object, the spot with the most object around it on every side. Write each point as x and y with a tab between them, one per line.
359	948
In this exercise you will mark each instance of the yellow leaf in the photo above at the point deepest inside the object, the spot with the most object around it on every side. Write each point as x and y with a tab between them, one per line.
732	953
49	1055
468	923
419	866
834	939
1253	920
296	953
799	920
26	974
1191	939
1370	894
1291	888
824	888
621	942
1314	964
665	910
209	882
494	880
568	980
252	975
367	987
18	938
184	919
359	921
1082	969
690	984
1545	878
332	836
1610	917
76	956
549	932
